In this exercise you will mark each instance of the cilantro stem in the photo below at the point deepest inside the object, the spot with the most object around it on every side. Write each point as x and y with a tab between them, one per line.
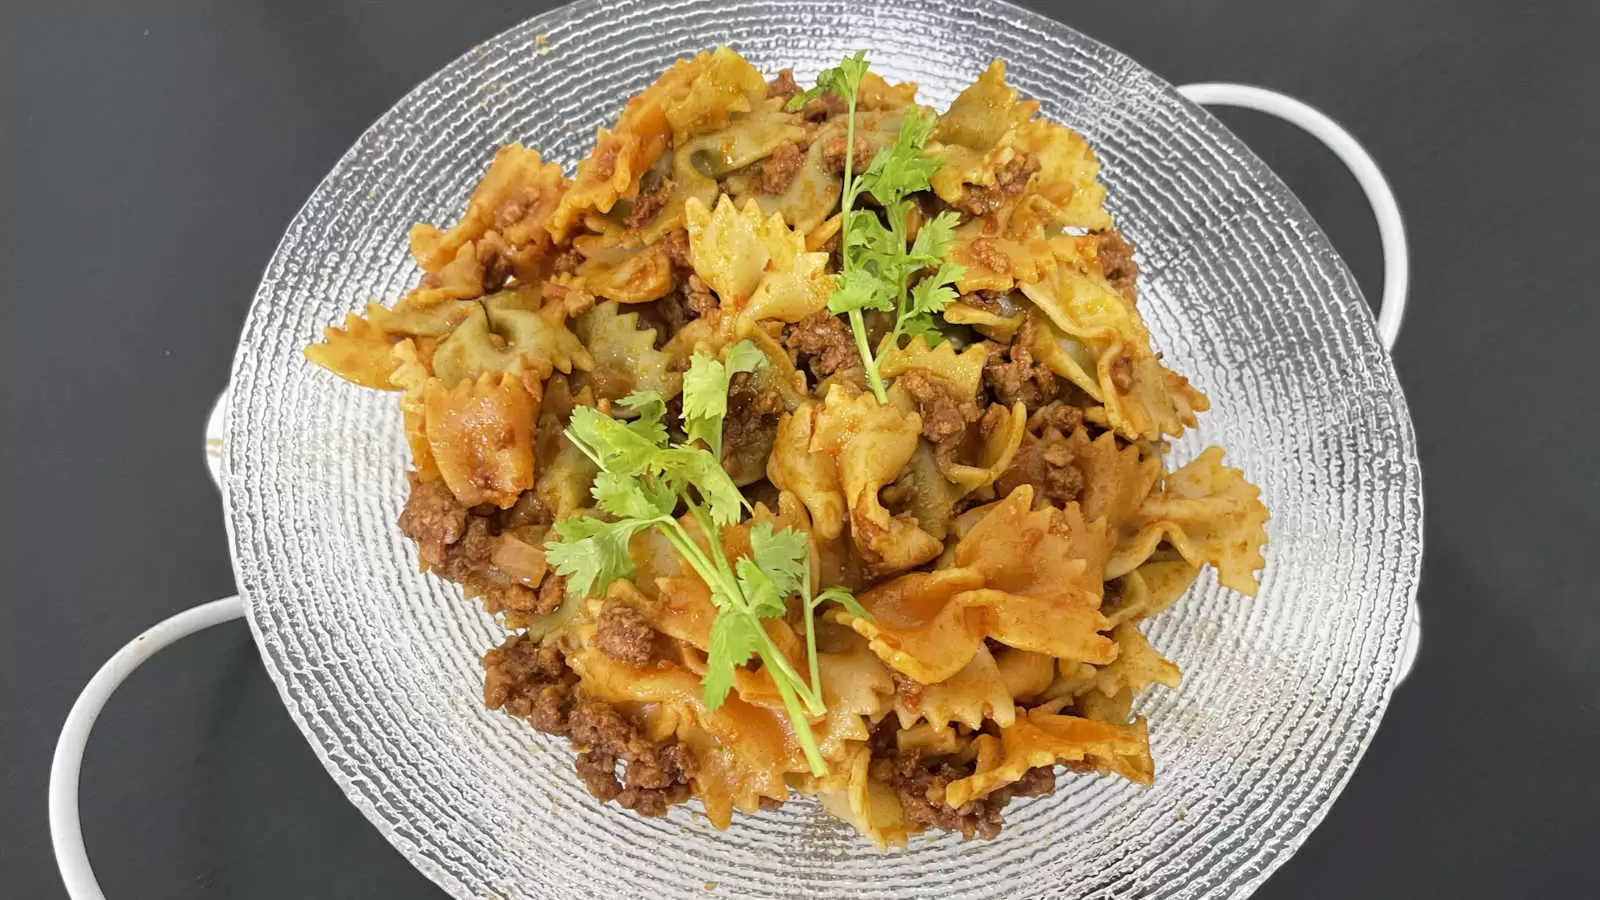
810	607
802	727
894	333
858	326
713	539
720	579
848	192
812	697
715	578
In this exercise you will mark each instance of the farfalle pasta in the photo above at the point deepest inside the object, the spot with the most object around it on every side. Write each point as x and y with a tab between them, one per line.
806	443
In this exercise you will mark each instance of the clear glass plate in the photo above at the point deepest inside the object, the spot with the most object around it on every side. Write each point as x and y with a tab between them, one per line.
378	664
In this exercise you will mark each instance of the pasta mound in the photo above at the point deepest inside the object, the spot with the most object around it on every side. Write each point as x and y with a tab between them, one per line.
1005	519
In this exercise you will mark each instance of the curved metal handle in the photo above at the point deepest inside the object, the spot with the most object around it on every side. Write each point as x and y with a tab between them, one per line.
1391	231
66	832
216	430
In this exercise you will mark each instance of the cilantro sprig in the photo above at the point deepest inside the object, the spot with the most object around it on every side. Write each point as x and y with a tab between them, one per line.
879	256
642	482
705	391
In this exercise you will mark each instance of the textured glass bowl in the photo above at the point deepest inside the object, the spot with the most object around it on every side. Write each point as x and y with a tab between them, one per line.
378	664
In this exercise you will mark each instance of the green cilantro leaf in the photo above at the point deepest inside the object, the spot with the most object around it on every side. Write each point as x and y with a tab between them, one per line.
843	80
649	408
859	289
642	480
615	446
901	168
705	391
934	239
928	329
734	639
928	300
629	497
744	356
935	292
761	596
877	264
783	555
691	467
592	553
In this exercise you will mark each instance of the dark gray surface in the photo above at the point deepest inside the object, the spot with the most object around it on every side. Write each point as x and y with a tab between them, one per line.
151	154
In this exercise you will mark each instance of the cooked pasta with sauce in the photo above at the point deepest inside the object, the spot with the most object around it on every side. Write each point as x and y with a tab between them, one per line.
806	442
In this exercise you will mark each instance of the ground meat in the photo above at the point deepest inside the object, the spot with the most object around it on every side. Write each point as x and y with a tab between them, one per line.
988	301
521	675
667	764
908	689
1063	417
698	296
1011	373
573	297
823	106
945	416
649	202
597	770
657	775
1009	181
1116	262
1048	461
493	254
605	158
783	86
529	509
469	555
833	154
779	169
691	299
500	596
676	246
433	519
547	709
623	634
596	725
1063	484
994	418
914	780
552	591
1039	781
822	341
653	804
753	410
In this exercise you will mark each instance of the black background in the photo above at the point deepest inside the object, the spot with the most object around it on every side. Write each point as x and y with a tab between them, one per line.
152	153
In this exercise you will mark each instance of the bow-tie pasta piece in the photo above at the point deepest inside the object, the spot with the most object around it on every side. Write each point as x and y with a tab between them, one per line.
1209	514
